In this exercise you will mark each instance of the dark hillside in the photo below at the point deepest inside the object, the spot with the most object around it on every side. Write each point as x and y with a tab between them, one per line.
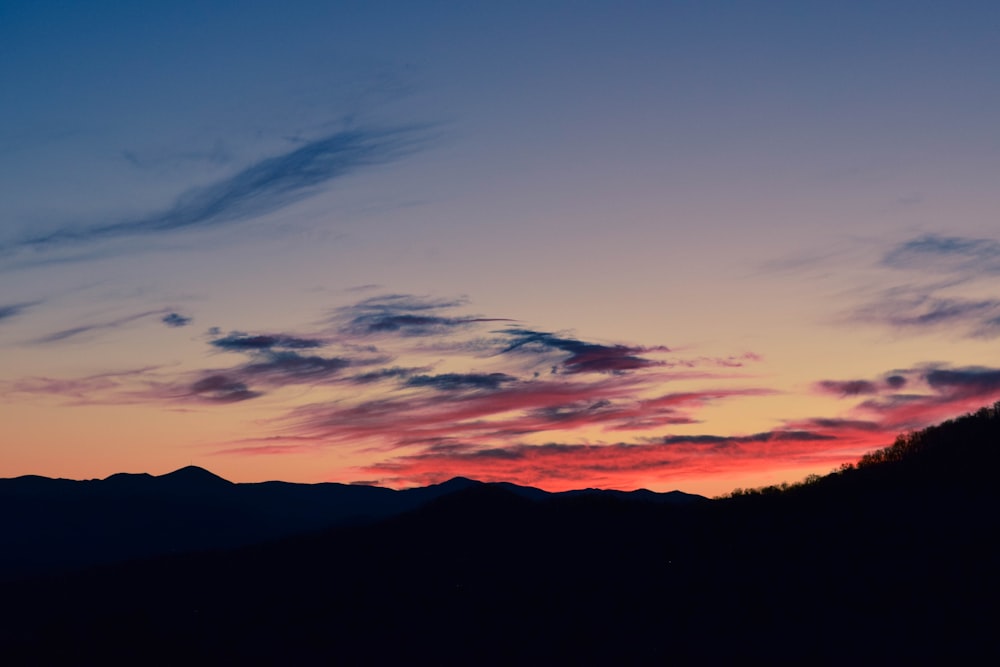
891	561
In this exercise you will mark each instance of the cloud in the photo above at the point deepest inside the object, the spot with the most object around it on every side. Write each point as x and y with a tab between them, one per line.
12	310
275	360
398	419
75	332
405	315
281	368
932	392
896	381
113	387
222	389
175	320
583	357
263	187
766	436
914	309
267	369
834	424
410	325
961	268
682	462
270	445
461	381
848	387
393	373
610	415
511	409
972	380
242	342
946	254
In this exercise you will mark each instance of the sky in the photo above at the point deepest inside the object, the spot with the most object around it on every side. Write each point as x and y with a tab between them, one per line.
663	245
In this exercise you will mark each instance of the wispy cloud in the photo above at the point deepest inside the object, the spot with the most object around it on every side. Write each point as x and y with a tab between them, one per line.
946	254
222	389
64	335
404	315
273	361
581	356
461	381
513	410
282	368
471	412
12	310
834	424
561	466
916	308
848	387
113	387
766	436
393	373
261	188
242	342
947	288
916	397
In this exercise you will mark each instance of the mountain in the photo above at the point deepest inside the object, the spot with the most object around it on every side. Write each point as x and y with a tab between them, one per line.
50	525
890	561
192	479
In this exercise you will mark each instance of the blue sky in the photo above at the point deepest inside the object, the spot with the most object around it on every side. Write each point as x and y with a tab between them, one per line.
770	195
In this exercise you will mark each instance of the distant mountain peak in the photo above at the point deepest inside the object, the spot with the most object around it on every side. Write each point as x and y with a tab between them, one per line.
194	475
459	483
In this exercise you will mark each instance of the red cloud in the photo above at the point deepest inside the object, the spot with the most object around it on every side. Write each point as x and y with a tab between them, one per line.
680	462
485	417
932	393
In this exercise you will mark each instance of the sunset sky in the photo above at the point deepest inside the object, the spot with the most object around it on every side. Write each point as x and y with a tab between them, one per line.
672	245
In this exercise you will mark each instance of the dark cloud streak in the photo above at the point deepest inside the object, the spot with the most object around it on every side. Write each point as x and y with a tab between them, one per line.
74	332
222	389
461	381
974	380
949	254
393	373
766	436
285	367
583	357
848	387
175	320
12	310
404	315
918	309
242	342
264	187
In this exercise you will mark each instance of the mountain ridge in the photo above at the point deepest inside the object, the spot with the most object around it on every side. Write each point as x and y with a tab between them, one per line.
197	474
57	524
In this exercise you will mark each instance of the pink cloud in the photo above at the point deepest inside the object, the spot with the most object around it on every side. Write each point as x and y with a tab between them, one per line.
678	462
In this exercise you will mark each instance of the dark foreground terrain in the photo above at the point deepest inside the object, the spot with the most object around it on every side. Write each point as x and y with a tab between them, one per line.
892	561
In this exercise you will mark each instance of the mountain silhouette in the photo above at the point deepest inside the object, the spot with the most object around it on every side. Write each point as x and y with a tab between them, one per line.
888	561
192	479
58	524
